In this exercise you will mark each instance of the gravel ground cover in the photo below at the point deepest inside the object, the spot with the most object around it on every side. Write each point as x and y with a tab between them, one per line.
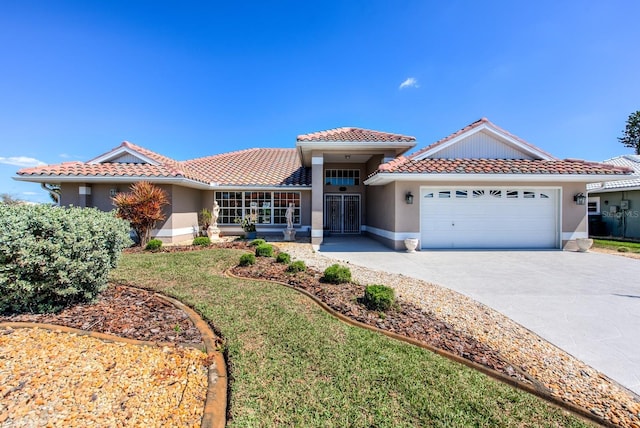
51	378
565	376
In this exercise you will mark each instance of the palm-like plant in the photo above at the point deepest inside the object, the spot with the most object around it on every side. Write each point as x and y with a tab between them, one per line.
142	207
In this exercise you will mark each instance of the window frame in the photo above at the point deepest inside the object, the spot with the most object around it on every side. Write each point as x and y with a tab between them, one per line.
263	205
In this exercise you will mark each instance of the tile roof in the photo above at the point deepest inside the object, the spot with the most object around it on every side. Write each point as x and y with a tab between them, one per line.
354	134
403	165
629	161
257	167
474	125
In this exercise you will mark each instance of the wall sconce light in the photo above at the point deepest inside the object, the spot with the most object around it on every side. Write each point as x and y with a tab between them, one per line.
408	198
113	192
580	199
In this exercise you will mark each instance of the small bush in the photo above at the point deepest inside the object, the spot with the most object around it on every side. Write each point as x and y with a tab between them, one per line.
264	250
623	249
247	259
337	274
257	242
153	245
283	258
379	297
52	257
297	266
202	241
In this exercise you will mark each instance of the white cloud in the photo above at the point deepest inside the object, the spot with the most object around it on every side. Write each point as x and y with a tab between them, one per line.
22	161
410	82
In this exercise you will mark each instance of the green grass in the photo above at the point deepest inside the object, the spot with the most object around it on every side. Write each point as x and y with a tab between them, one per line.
634	247
294	365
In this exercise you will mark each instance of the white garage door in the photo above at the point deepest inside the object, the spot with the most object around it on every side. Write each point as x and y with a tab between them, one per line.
496	217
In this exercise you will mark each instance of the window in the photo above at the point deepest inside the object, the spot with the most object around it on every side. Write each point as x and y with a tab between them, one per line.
428	195
461	193
512	194
478	193
529	195
264	207
342	177
495	193
593	205
444	194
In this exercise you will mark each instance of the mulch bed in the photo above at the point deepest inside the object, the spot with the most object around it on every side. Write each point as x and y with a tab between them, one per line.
126	312
405	319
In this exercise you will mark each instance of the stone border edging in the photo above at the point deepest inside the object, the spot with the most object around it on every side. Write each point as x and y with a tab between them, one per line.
539	392
215	406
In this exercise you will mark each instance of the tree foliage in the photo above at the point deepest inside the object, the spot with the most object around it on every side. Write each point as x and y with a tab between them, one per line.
631	134
142	207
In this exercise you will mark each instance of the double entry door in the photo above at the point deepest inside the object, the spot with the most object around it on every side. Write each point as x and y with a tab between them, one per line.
342	213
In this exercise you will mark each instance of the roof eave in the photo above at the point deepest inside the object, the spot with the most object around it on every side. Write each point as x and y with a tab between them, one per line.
383	178
305	147
113	179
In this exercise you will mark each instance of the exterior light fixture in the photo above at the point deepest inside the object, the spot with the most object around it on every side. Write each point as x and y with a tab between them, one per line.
580	199
408	198
113	192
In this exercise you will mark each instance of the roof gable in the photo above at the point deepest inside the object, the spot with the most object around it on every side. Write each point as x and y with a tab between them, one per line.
482	140
129	153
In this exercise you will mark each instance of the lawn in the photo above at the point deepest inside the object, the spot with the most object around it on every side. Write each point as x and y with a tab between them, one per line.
291	364
633	247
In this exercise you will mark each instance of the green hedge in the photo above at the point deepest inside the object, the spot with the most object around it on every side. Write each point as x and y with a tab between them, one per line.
153	245
247	259
52	257
202	241
337	274
379	297
264	250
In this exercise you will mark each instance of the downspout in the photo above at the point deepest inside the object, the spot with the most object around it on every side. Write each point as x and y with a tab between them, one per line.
54	192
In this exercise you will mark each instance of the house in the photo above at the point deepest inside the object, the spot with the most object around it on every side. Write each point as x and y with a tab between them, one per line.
614	206
480	187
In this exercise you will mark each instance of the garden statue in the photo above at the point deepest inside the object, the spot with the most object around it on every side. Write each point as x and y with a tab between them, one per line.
289	216
289	232
212	231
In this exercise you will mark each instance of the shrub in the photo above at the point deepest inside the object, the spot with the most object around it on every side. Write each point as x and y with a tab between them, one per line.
202	240
379	297
623	249
337	274
142	207
257	242
283	258
297	266
153	245
53	257
264	250
247	259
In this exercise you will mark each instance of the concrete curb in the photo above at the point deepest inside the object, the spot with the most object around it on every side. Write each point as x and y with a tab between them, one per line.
215	407
540	391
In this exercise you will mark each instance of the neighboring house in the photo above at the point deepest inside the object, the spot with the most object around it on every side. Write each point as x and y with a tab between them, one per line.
480	187
614	206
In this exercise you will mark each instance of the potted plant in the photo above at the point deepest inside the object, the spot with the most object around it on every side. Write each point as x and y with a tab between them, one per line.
204	218
248	225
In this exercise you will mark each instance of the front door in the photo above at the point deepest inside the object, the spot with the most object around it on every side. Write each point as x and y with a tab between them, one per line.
342	213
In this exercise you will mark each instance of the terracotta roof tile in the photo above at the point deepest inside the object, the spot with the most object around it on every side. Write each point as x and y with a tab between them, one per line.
354	134
260	167
498	166
257	167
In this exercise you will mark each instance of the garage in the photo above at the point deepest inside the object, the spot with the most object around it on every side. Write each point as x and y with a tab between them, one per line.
489	217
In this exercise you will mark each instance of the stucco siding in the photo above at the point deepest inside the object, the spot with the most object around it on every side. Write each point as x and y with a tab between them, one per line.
620	223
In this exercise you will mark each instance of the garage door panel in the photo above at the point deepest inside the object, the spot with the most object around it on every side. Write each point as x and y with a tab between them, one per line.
489	218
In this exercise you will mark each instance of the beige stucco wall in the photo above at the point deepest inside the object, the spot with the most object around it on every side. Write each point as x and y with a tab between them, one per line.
389	212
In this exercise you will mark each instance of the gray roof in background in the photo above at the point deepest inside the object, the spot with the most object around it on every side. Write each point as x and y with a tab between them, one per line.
630	161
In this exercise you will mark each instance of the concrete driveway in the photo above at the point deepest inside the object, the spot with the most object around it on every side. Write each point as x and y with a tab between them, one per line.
585	303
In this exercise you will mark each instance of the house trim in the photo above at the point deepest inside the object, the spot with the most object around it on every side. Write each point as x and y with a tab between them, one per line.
382	178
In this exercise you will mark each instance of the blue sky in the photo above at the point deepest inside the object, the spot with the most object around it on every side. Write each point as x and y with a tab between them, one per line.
190	79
